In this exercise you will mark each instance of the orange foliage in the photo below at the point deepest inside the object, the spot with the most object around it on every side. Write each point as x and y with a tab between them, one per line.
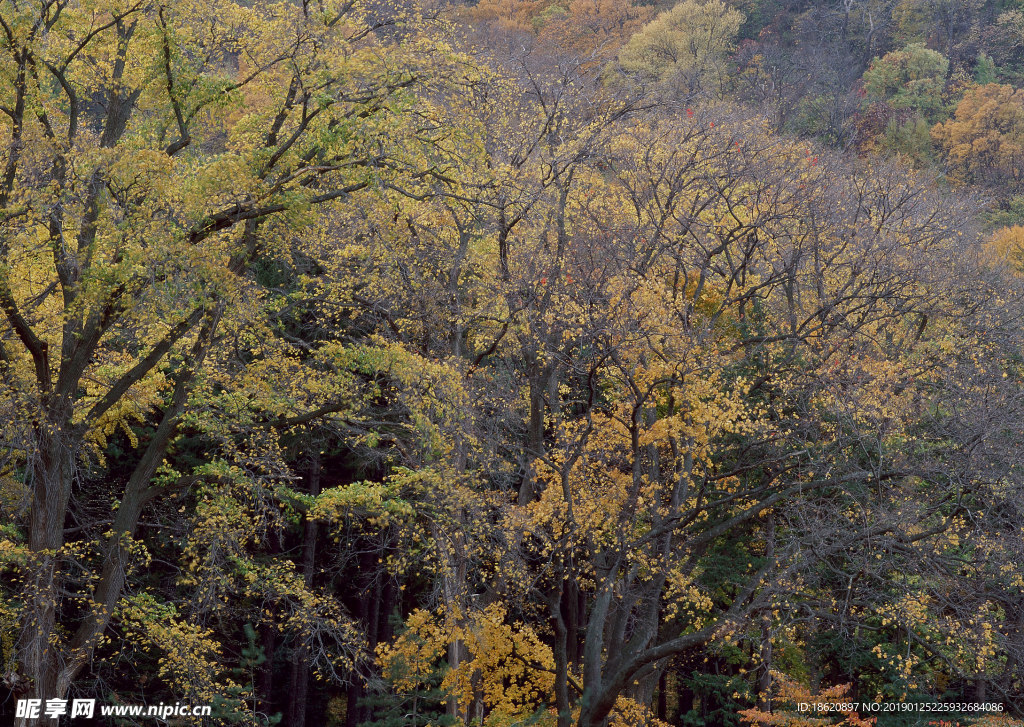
797	697
517	15
984	141
590	29
596	27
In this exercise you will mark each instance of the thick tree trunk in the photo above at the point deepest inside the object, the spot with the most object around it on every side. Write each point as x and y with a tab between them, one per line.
298	688
51	483
561	654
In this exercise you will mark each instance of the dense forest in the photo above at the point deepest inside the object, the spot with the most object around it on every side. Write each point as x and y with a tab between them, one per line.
513	362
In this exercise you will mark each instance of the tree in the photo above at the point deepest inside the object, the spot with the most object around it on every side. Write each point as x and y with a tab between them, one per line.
984	70
525	16
488	389
912	78
796	695
1006	41
153	152
984	141
774	80
686	45
703	333
595	28
903	97
949	25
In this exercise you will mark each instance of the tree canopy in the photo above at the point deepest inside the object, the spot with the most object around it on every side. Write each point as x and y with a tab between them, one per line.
524	363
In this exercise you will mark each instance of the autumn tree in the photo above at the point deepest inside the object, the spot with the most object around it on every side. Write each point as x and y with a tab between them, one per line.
595	28
152	153
484	388
526	16
685	46
771	79
685	353
698	370
671	484
982	142
1006	39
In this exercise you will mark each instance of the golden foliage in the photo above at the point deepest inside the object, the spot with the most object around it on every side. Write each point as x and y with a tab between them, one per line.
984	141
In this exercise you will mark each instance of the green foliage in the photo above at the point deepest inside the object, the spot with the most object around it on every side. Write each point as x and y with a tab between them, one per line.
984	70
687	44
912	78
420	705
721	697
911	139
251	657
1007	213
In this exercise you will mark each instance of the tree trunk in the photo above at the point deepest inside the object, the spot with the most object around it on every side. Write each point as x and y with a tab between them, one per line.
685	698
561	654
298	688
265	685
51	481
534	437
764	680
